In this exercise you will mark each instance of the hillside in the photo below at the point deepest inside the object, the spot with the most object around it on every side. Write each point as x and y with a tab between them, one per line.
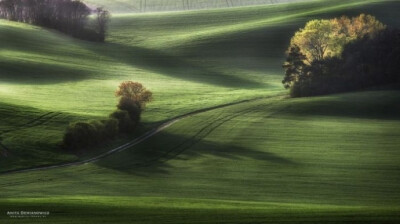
142	6
271	160
216	61
268	159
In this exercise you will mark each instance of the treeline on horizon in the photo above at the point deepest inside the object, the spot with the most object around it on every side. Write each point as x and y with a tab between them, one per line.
68	16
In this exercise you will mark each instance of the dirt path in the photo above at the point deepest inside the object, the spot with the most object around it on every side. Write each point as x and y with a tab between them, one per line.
139	139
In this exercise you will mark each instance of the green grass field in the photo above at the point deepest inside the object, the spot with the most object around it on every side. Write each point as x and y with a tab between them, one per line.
268	160
140	6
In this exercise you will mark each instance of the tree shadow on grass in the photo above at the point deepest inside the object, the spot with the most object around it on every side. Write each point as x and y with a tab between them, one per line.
152	156
170	65
384	105
39	73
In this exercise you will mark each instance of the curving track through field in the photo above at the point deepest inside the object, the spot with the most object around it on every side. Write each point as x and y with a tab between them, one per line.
139	139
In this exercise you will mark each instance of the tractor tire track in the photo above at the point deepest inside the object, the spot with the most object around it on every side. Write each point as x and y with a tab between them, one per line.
143	137
32	123
200	135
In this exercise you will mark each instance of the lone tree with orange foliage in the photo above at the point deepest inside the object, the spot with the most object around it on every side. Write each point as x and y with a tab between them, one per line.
133	99
135	93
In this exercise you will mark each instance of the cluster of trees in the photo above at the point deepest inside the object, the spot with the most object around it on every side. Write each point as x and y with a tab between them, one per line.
133	97
68	16
341	54
84	134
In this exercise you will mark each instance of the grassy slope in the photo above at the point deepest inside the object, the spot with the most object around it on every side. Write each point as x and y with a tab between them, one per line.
178	210
297	153
270	160
213	57
129	6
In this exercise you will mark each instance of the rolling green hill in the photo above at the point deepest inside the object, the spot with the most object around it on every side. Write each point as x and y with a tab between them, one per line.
140	6
270	159
212	58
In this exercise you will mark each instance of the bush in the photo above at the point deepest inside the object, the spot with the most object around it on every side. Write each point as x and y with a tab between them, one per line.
135	92
124	120
125	123
87	34
132	107
79	135
111	127
84	134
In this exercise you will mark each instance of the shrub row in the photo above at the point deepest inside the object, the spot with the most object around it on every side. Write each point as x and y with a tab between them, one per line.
133	98
81	135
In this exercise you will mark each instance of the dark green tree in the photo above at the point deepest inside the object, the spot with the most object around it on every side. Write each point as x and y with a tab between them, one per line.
294	66
102	20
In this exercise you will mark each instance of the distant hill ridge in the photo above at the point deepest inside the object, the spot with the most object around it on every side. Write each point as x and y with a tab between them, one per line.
141	6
